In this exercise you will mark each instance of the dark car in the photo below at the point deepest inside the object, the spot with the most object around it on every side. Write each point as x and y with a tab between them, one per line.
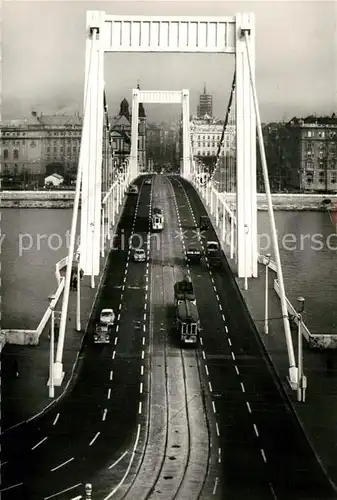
193	254
204	223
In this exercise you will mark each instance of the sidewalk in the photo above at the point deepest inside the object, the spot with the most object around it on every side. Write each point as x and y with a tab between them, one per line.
27	395
318	414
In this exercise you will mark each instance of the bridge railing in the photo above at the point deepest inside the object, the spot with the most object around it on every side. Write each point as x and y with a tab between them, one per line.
321	341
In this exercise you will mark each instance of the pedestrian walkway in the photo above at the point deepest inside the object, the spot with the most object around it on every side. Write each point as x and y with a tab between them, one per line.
27	394
318	414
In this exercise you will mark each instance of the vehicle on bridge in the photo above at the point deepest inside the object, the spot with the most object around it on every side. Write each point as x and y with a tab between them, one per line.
102	333
213	253
148	182
133	189
193	254
204	223
183	290
139	255
157	219
187	321
107	317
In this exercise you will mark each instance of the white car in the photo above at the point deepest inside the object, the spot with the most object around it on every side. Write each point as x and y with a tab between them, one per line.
107	317
139	255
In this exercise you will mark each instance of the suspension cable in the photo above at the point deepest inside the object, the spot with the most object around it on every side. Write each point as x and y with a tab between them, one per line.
224	129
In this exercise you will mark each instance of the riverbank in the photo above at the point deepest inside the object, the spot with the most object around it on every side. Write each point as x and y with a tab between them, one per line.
65	199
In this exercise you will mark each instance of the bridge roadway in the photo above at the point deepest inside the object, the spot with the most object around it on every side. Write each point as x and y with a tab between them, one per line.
255	437
62	448
264	451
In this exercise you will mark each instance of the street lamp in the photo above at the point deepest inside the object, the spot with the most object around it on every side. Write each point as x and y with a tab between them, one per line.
78	296
92	225
266	329
301	379
51	299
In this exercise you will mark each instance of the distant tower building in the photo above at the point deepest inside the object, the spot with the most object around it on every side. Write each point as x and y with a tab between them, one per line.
205	104
142	136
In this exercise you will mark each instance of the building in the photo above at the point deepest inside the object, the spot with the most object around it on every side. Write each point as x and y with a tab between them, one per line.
54	180
205	106
121	134
37	145
313	148
206	134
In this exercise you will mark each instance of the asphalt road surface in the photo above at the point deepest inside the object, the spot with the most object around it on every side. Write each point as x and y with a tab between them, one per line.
95	423
265	454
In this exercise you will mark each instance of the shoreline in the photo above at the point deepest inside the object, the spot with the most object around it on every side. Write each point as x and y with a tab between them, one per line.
65	199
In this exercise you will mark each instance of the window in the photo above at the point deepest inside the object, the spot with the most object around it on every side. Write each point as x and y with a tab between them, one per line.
333	179
15	154
310	178
17	143
322	177
310	165
33	144
310	133
5	154
321	134
61	150
48	149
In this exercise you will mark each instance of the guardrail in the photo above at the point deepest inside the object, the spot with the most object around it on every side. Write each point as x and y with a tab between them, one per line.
320	341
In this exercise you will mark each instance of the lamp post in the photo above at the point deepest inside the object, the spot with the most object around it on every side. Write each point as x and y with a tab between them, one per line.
51	299
78	297
246	277
92	225
266	326
300	377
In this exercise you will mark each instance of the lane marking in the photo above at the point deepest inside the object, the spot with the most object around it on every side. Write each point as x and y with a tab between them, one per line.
203	354
226	329
94	438
206	368
40	442
213	405
104	414
219	455
143	354
141	388
233	355
215	485
140	407
217	429
111	374
56	419
63	491
143	340
256	431
109	393
229	341
142	370
248	406
113	356
116	340
63	464
210	386
242	387
11	487
117	461
237	370
263	455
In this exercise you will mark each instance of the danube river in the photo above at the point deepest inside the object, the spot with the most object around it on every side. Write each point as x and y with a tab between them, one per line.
33	240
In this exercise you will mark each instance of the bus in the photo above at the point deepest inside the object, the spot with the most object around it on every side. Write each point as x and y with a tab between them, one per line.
187	322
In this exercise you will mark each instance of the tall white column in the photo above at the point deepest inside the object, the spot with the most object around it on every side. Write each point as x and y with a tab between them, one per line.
246	211
186	170
134	135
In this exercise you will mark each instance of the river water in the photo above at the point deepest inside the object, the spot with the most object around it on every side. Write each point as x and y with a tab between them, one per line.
33	240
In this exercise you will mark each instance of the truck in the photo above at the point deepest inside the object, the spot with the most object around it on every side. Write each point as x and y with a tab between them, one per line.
187	322
213	253
183	290
102	333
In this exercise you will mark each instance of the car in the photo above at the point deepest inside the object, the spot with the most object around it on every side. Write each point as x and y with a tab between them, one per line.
193	254
148	182
133	189
139	255
107	317
212	247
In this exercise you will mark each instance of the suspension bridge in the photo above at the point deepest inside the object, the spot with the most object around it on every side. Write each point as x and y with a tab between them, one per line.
101	186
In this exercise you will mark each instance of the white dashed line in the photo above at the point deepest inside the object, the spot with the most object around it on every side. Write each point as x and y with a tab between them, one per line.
219	455
213	406
140	407
248	406
237	370
263	455
63	464
141	388
210	386
113	354
116	340
233	355
40	442
109	394
255	430
143	354
111	373
143	340
144	317
206	368
56	419
104	414
94	438
203	354
229	341
142	370
217	429
242	387
201	341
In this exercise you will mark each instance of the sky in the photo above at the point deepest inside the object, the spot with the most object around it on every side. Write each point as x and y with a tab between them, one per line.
43	54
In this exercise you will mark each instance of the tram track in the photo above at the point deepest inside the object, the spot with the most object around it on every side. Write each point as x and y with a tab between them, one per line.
174	461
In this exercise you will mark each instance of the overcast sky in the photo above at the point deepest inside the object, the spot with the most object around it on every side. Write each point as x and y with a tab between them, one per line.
44	47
